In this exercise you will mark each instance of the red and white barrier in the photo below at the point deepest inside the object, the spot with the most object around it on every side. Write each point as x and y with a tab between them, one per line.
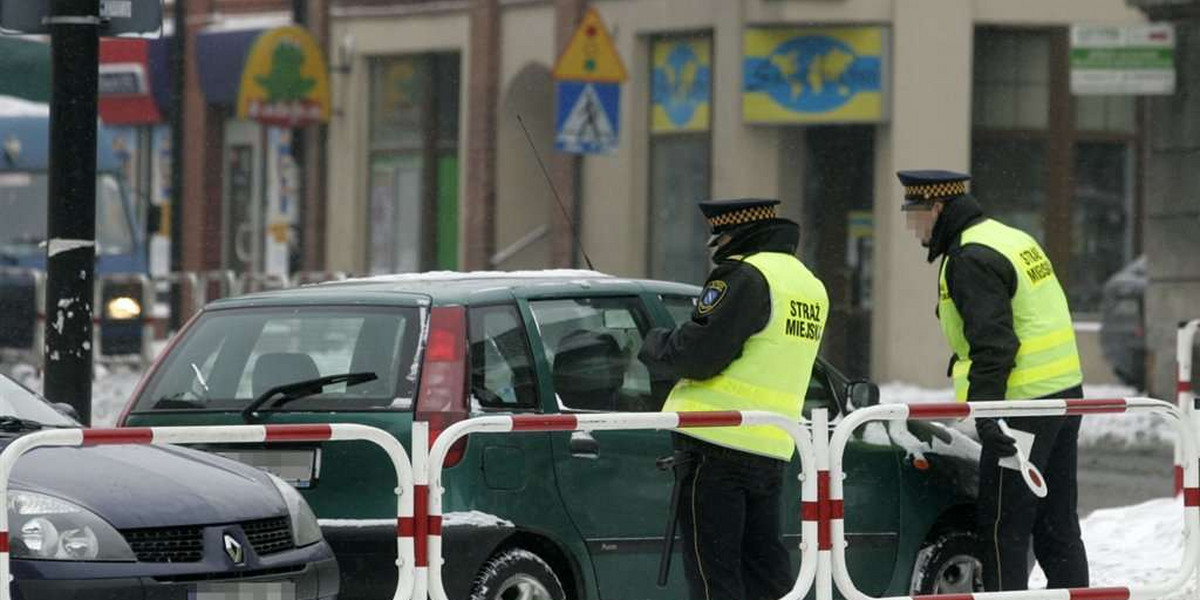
234	434
1025	408
1185	396
811	509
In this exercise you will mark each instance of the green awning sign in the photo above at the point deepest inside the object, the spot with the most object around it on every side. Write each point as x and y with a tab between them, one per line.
1123	59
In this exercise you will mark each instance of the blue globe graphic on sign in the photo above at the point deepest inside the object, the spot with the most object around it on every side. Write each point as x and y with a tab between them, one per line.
681	85
812	73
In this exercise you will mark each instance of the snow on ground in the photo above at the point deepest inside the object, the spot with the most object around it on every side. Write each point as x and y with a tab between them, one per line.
1134	546
1122	430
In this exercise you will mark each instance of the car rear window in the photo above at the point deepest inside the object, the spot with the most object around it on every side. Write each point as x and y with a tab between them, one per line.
229	357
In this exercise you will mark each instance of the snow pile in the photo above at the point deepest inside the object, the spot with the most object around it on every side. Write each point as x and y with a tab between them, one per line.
1134	546
111	388
1128	430
11	106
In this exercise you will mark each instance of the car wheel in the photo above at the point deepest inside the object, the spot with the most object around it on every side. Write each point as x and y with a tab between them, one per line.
949	564
517	575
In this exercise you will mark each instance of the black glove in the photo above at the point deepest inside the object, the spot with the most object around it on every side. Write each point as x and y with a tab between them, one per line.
994	439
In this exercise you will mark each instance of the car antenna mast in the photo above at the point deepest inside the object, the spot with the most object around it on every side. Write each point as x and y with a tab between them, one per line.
553	190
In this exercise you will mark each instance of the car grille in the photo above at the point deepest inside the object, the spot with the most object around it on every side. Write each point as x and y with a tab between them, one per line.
269	536
167	545
186	544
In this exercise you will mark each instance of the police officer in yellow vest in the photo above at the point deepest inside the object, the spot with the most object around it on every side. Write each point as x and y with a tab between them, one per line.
750	345
1006	319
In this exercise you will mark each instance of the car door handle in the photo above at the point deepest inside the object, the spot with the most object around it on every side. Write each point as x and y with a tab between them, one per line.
583	445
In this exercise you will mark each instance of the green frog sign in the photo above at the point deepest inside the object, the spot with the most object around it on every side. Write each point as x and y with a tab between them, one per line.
285	82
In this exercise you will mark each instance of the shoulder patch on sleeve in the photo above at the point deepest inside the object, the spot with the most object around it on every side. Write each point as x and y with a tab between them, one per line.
711	296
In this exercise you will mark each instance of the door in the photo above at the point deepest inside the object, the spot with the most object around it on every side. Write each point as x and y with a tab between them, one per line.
396	229
839	235
243	200
615	495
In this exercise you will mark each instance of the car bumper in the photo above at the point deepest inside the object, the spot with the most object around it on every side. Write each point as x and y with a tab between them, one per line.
314	581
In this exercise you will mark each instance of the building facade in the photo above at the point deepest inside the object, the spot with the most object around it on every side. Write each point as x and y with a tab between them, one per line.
429	167
1172	197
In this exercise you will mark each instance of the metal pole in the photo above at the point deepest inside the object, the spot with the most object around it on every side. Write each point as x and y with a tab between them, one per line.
179	68
71	211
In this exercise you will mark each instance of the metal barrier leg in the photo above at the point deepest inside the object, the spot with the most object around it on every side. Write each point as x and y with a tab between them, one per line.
428	538
825	506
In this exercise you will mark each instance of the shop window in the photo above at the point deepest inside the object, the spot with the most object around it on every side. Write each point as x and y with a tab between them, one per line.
680	157
1060	167
413	144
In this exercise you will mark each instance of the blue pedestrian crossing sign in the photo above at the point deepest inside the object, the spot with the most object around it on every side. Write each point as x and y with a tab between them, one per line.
588	117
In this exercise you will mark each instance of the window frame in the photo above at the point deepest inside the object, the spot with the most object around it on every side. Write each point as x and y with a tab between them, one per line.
536	405
1061	137
642	313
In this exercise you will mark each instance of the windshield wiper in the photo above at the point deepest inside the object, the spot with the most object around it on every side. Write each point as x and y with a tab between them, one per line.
14	424
300	389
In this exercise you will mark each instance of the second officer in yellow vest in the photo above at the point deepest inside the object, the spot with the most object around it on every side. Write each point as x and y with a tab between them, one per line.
1006	319
750	345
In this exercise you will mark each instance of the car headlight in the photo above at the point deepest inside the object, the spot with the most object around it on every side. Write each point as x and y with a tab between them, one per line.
305	529
48	528
123	308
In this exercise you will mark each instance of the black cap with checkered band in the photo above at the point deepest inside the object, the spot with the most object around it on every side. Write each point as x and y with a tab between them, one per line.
924	186
726	215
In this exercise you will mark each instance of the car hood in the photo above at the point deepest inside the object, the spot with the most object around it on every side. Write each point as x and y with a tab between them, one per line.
150	486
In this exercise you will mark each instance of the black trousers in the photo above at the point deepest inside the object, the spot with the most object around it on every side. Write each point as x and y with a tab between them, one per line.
1009	513
729	515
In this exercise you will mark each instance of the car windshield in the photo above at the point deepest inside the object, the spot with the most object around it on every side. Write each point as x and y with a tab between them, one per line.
230	357
17	401
23	204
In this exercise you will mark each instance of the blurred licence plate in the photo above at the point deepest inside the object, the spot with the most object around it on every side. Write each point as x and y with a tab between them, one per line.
297	467
251	590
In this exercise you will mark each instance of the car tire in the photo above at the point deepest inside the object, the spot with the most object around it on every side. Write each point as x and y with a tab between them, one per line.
516	574
949	563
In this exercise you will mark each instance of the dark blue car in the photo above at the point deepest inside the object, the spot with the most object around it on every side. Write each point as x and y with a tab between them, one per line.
140	522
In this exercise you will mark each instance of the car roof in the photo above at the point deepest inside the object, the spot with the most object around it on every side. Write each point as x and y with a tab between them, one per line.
456	287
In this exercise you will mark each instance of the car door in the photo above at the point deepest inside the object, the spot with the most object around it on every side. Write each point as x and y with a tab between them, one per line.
608	480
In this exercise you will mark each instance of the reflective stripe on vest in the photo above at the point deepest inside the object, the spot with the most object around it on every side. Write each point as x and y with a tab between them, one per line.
774	368
1047	360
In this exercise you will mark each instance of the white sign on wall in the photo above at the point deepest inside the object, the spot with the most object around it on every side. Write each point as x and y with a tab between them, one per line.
1123	59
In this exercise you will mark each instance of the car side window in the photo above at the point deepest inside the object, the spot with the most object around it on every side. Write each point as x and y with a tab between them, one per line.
502	373
592	346
679	307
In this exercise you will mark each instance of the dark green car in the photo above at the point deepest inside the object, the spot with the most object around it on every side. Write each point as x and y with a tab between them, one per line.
530	515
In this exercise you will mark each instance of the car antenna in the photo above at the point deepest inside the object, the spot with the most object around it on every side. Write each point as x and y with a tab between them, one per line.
550	182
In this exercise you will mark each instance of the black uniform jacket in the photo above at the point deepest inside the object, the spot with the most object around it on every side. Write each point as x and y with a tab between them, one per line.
981	283
734	305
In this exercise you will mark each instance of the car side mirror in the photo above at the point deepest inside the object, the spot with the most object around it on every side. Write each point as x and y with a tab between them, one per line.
862	393
66	409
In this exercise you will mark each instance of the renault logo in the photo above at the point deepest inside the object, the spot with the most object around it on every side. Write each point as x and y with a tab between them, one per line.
234	549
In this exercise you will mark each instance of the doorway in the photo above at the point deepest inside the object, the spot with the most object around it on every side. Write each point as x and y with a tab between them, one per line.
838	238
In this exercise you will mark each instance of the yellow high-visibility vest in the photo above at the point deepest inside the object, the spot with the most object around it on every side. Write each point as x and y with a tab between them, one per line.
774	368
1047	360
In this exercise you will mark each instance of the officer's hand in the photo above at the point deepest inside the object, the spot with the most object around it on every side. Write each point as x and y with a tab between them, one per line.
994	439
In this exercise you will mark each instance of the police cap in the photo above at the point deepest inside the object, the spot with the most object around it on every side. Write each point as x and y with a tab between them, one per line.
922	187
725	215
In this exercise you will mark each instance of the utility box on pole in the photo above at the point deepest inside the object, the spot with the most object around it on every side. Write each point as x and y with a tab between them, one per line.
74	27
